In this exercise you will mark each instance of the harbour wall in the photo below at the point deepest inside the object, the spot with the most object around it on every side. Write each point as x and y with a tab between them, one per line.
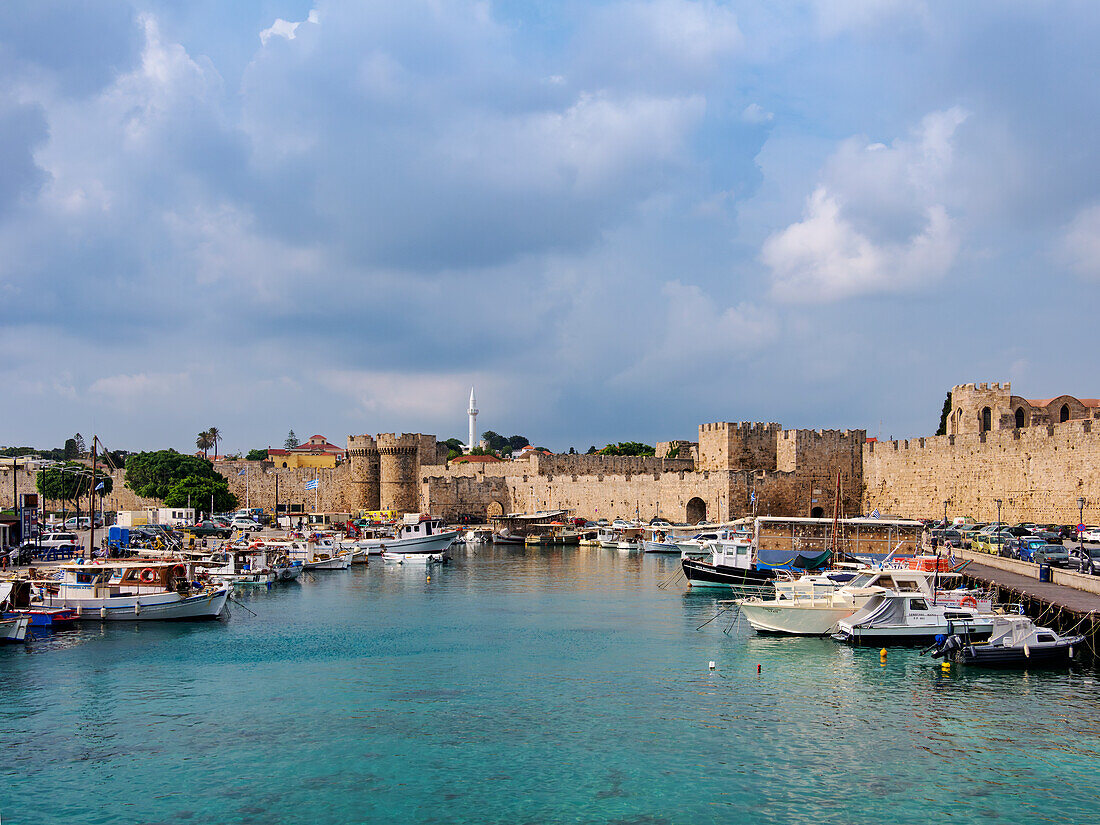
1038	473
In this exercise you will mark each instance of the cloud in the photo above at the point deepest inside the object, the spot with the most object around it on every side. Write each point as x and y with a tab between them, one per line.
1080	243
877	224
287	29
756	114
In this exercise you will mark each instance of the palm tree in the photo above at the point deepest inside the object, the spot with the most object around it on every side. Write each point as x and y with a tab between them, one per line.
204	442
215	436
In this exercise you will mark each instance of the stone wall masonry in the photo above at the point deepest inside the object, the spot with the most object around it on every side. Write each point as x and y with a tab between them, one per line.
336	492
608	464
1037	472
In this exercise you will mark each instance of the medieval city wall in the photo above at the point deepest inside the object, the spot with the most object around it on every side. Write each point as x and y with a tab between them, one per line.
1037	472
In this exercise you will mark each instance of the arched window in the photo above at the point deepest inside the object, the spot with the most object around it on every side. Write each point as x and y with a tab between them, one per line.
1019	417
987	419
284	465
1064	415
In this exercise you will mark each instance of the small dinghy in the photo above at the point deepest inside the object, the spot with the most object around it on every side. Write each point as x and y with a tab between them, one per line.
14	629
1016	642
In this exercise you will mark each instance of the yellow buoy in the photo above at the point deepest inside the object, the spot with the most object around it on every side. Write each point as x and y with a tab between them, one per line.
882	653
945	667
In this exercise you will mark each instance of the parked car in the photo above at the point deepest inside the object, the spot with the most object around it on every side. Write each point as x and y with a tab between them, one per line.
1053	554
1091	533
210	528
1085	559
993	544
1022	548
59	540
244	523
82	523
1048	532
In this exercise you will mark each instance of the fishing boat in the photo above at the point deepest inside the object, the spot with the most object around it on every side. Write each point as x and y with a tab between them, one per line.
14	629
910	619
16	599
479	535
287	570
413	558
134	590
629	538
239	566
814	604
315	553
1015	641
699	546
729	566
418	533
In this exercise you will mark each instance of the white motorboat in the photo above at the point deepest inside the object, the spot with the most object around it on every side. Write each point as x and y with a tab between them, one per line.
315	553
134	590
1016	641
814	604
479	535
14	629
419	533
910	619
608	537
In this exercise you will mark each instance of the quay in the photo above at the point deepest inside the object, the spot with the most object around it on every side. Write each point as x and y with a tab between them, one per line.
1069	603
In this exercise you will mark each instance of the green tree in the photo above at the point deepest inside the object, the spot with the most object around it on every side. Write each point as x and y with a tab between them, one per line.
946	411
197	490
495	441
81	448
71	450
153	474
291	441
71	481
256	455
518	442
204	442
673	452
572	451
592	450
454	444
628	448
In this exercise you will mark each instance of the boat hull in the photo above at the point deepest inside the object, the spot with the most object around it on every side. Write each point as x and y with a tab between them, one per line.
14	630
809	620
153	607
1049	655
705	574
342	562
661	547
904	636
421	544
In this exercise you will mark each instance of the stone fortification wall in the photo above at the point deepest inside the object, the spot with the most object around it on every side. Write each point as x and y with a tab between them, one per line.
822	452
747	445
399	469
608	464
1037	472
366	471
688	449
261	482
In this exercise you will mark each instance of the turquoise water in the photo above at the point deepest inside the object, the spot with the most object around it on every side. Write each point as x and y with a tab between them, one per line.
523	687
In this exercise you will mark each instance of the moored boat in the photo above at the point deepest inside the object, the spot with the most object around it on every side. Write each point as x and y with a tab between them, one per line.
14	629
910	619
16	600
1015	641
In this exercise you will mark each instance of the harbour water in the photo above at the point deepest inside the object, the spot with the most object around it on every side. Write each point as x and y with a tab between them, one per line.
519	686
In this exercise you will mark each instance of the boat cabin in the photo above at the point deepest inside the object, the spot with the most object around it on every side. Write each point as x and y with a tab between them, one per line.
416	525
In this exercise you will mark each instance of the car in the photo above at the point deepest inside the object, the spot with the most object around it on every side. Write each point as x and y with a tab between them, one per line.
1048	533
210	528
1022	548
1053	554
993	544
1084	559
81	523
59	540
1091	533
244	523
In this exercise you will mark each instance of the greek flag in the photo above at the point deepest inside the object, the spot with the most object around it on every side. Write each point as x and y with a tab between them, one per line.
99	486
243	471
752	498
875	514
313	484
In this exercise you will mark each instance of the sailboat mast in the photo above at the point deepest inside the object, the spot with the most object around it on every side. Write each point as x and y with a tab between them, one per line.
834	543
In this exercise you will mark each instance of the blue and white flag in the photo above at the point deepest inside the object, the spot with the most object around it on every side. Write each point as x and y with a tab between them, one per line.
243	471
752	498
875	514
99	486
313	484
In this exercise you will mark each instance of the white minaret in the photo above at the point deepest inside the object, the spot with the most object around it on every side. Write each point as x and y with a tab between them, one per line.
473	419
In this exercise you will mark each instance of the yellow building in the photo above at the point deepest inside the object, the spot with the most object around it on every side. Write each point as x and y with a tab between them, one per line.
316	453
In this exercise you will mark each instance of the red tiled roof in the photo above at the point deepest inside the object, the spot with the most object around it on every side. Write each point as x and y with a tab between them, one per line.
474	459
1091	403
278	452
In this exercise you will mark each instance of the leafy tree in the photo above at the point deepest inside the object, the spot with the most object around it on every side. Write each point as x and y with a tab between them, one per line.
81	448
495	441
592	450
673	452
256	455
291	441
204	442
453	454
628	448
946	411
454	444
71	481
153	474
483	451
70	450
197	490
215	436
518	442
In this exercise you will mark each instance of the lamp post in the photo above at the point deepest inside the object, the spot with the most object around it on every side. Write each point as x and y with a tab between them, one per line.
997	501
1080	521
945	514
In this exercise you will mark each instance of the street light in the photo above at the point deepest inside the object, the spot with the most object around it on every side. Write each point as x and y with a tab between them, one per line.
997	501
1080	521
945	514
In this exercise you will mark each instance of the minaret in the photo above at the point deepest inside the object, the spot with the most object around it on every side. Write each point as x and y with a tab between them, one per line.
473	419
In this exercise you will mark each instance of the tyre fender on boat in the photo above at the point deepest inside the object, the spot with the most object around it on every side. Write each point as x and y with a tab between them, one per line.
969	601
148	575
179	571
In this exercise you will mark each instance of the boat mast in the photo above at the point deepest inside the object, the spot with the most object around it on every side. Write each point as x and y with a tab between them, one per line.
834	543
91	496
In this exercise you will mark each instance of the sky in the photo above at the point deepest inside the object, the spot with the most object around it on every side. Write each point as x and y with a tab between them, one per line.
617	219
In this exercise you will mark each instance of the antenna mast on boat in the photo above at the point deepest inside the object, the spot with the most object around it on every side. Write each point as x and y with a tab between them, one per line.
834	541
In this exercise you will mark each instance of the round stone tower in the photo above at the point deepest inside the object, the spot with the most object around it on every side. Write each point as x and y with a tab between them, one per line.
365	472
399	466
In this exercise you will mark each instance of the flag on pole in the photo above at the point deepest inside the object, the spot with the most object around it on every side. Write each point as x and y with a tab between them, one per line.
243	471
875	514
313	484
752	498
99	486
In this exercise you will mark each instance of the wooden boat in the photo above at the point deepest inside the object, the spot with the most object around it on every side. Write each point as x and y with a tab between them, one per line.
16	599
14	629
729	566
132	590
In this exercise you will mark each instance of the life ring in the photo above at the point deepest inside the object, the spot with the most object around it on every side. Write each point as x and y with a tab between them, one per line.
148	575
969	601
179	571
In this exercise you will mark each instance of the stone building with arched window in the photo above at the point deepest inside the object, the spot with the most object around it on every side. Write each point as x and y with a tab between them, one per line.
979	408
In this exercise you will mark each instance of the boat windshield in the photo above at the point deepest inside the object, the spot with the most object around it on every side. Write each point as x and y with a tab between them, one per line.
859	581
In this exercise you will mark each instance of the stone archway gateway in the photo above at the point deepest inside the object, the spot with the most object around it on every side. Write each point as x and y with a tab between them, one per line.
495	508
817	512
696	510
